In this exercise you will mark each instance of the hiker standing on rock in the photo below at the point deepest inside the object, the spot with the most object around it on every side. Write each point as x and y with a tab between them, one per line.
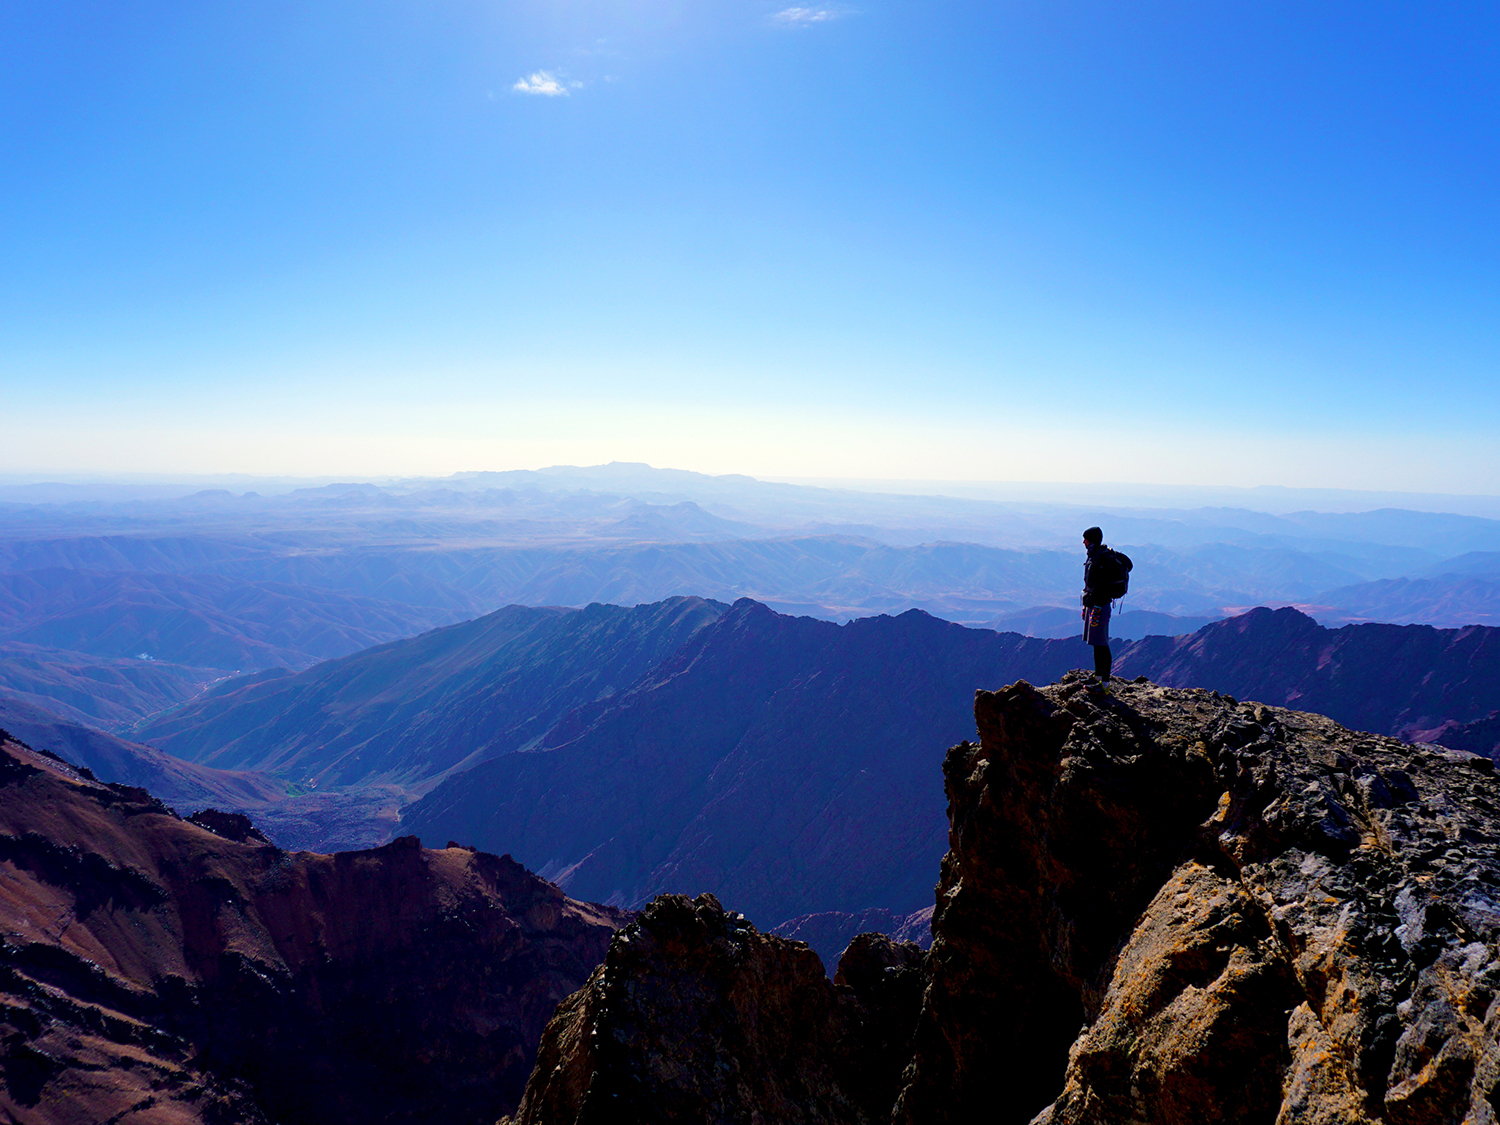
1106	577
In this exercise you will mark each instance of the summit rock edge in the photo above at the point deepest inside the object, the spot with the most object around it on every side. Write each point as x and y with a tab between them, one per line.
1158	906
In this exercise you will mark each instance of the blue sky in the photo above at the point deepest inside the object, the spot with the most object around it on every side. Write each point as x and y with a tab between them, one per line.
1225	243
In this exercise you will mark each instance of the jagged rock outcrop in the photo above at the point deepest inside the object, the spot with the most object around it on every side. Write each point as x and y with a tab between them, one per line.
696	1017
1159	906
1253	914
888	979
230	825
154	969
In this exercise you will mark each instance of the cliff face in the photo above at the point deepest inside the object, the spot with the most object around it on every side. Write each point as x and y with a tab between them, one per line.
160	970
1158	906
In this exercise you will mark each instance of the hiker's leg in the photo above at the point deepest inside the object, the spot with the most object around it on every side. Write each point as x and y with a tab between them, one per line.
1103	661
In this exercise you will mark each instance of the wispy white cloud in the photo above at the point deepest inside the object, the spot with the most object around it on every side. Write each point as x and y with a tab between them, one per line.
546	83
805	17
599	47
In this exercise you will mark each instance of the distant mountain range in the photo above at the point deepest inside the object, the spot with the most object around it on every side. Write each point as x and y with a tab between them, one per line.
1448	599
315	572
777	761
1390	679
1128	623
1477	736
238	607
204	621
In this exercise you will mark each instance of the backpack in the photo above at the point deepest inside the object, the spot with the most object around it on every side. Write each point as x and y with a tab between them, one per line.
1118	586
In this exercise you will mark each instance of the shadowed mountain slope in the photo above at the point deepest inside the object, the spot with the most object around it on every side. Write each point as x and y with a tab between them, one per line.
361	816
406	712
775	760
155	971
1478	736
764	758
1482	563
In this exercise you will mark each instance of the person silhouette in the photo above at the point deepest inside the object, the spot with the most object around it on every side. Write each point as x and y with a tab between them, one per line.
1098	572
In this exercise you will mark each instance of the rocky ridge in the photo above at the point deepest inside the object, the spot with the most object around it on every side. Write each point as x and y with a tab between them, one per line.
1393	679
1158	905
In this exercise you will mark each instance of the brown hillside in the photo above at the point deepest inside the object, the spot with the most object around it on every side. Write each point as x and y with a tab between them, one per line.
155	971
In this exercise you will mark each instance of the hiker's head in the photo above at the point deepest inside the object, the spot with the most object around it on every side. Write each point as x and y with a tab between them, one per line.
1093	537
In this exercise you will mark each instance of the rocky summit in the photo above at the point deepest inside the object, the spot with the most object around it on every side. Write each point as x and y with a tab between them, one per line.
1158	906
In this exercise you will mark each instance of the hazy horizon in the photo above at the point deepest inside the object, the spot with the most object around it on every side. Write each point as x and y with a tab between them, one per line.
1119	494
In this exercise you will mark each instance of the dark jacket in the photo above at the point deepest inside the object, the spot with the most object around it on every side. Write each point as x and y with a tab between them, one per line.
1099	570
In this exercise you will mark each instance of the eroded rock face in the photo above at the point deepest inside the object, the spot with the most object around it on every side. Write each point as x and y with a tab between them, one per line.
1166	906
696	1017
159	970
